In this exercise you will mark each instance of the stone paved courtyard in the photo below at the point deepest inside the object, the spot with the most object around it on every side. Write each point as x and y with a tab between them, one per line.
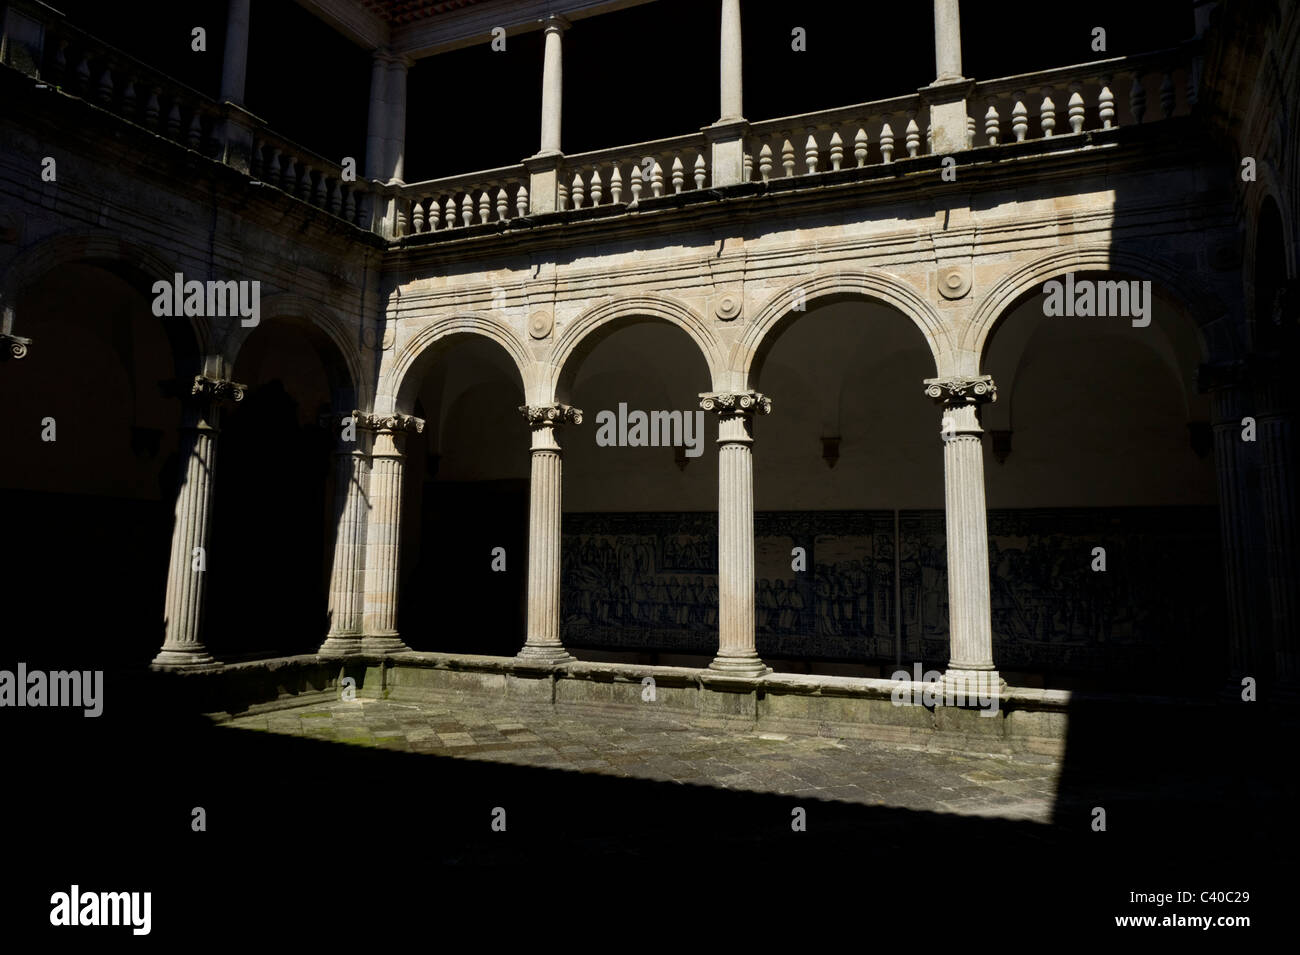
666	750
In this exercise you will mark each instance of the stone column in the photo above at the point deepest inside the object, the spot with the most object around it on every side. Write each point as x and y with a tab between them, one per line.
1230	401
970	625
187	573
347	578
946	96
1278	483
395	133
727	136
234	64
947	41
384	531
377	120
737	651
733	108
542	641
552	84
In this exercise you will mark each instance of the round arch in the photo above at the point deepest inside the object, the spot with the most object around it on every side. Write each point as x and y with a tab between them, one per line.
344	366
139	265
1192	296
877	286
583	333
399	385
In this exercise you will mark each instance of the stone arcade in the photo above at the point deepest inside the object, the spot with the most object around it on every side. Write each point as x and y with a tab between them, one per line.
808	282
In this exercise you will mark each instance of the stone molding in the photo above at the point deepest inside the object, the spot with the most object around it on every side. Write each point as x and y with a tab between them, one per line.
389	423
959	390
550	416
13	346
217	389
735	402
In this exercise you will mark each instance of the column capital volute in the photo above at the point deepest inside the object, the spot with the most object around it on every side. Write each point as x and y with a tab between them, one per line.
388	423
728	403
216	390
957	391
13	346
550	416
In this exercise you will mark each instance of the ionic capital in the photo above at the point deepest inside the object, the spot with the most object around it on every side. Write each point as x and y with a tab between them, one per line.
214	390
729	403
389	423
550	416
13	346
961	390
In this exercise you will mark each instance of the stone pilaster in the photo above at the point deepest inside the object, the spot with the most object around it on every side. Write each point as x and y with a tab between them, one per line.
187	573
384	530
542	641
1230	401
347	577
970	626
737	650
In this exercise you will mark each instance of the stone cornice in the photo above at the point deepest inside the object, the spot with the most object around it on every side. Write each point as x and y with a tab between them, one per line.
736	402
550	416
961	390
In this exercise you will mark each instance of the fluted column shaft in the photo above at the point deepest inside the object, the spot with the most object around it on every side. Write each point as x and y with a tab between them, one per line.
543	641
347	577
970	624
191	529
737	648
235	60
552	84
732	87
383	532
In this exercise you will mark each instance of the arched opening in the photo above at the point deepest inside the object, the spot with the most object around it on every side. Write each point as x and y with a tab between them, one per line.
274	498
465	494
640	526
848	468
1103	520
90	485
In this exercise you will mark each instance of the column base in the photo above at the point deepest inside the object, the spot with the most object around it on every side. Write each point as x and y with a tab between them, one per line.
382	643
973	683
190	658
545	653
740	663
340	645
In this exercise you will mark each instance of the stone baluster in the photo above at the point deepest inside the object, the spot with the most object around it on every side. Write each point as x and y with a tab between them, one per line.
992	127
837	151
1047	113
737	650
1019	117
970	663
484	207
1106	104
383	530
913	135
1137	98
521	201
811	155
503	204
187	571
860	148
467	209
616	186
678	175
701	171
765	162
637	179
545	493
1167	97
657	180
578	191
1076	108
887	143
417	216
597	187
787	158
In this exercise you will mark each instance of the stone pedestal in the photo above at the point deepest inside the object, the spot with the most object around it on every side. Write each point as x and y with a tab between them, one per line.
183	646
542	642
970	627
347	578
737	651
383	531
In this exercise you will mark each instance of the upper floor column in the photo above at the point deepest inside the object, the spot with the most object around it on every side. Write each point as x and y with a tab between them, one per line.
234	65
947	94
386	127
727	135
552	84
